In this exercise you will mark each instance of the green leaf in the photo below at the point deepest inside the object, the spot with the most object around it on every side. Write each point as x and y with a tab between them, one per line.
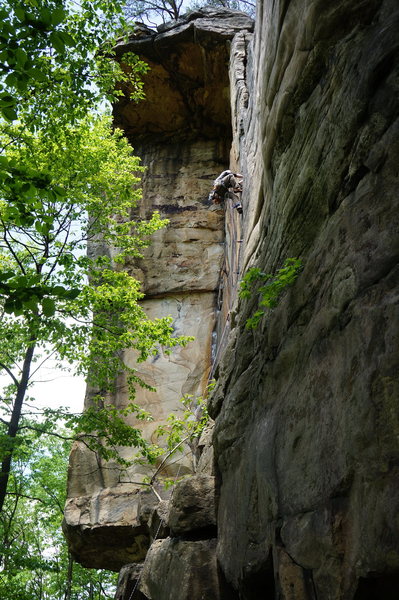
45	16
37	74
72	294
48	306
59	290
9	114
7	100
11	80
57	16
9	307
67	38
20	13
6	275
31	303
21	57
57	42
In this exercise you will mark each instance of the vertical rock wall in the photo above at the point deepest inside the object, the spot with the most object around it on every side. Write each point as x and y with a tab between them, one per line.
306	407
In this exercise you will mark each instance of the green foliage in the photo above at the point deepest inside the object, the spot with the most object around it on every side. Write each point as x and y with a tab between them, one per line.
51	67
186	425
183	430
271	289
47	280
55	298
33	550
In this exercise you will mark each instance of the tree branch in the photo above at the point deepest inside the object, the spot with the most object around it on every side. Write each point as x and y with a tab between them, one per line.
10	373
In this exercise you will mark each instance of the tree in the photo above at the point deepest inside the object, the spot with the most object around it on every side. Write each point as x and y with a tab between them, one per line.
55	298
56	66
154	11
65	179
56	54
36	563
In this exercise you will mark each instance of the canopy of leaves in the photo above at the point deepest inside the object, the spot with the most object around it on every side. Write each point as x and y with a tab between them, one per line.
55	59
77	307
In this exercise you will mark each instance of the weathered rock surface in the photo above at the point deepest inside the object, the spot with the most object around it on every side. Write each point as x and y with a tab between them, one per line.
187	89
306	434
128	579
181	570
183	135
192	506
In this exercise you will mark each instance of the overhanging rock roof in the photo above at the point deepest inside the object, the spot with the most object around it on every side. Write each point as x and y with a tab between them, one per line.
187	87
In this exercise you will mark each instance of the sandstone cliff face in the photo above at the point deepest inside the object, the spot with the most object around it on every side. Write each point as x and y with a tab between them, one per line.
306	408
306	411
183	135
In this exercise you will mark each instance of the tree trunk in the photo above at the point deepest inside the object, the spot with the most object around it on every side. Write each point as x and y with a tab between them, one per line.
68	589
13	425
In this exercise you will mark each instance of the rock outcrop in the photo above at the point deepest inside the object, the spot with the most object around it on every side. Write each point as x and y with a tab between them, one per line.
306	438
183	135
306	408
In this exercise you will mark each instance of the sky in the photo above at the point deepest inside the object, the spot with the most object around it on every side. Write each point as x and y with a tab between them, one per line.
55	388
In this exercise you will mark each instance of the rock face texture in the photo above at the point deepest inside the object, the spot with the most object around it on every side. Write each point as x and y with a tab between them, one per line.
306	437
183	135
306	407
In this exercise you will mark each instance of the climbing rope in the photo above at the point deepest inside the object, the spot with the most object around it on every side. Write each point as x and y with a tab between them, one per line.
161	522
234	272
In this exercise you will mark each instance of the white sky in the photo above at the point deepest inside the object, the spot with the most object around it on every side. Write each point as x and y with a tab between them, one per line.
55	388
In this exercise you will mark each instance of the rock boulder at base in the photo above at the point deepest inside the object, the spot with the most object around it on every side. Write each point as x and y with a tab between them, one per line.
181	570
193	506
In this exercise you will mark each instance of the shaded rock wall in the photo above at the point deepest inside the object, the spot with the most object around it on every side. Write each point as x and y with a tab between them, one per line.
306	436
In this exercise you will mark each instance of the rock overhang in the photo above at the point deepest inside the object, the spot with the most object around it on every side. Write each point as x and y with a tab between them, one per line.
187	86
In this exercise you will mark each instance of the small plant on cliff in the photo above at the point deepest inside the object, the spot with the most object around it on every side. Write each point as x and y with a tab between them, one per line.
271	289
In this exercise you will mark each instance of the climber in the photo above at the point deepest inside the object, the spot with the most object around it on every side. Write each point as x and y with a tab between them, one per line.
227	185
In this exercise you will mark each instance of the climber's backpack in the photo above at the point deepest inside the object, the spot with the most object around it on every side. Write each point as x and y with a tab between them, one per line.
219	185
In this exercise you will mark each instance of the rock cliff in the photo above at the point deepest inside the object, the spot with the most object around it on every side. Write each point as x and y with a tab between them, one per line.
183	134
306	412
306	409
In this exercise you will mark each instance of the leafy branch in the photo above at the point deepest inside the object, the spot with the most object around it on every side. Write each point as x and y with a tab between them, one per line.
273	285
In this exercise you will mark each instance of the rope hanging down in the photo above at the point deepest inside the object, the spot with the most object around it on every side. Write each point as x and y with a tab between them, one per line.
161	522
234	271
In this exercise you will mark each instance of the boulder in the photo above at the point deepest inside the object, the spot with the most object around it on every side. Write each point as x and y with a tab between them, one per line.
181	570
192	506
